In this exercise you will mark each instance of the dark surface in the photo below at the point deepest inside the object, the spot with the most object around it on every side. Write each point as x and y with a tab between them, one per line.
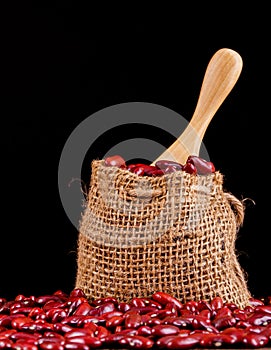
62	64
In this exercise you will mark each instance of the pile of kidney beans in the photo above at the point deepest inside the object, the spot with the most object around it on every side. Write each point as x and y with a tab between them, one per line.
193	165
62	321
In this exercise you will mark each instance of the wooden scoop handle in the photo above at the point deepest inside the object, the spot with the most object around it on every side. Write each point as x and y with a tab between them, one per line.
220	77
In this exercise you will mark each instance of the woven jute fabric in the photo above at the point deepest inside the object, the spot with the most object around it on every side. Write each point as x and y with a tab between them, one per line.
174	233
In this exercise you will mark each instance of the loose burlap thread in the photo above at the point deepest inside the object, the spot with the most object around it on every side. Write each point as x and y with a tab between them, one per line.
174	233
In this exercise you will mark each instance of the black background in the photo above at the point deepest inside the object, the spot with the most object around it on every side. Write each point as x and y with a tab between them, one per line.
63	63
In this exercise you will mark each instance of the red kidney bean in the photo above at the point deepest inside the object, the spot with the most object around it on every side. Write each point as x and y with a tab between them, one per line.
259	318
178	321
162	330
203	167
84	320
190	168
166	313
94	312
128	331
6	344
79	332
263	308
21	310
25	345
51	304
115	160
130	167
105	300
163	164
5	308
58	315
137	302
83	309
52	334
75	293
242	324
267	331
236	333
64	296
49	345
151	303
255	302
154	172
216	340
224	322
114	321
3	301
192	306
249	309
136	341
216	303
182	342
76	346
133	320
224	311
111	314
152	321
52	340
43	299
144	331
163	341
62	328
138	170
24	335
204	305
39	327
142	311
36	311
101	332
76	303
164	298
15	305
91	327
255	340
205	313
7	333
200	322
20	322
73	320
256	329
171	169
231	306
92	342
240	315
106	307
186	313
124	307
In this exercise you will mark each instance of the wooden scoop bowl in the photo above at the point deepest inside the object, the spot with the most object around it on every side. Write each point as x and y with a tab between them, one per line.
220	77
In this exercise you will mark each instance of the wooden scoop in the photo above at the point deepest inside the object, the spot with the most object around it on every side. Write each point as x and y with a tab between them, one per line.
220	77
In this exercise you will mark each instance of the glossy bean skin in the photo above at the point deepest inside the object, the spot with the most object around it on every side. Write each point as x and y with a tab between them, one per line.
115	160
202	166
163	330
161	321
136	342
165	298
182	342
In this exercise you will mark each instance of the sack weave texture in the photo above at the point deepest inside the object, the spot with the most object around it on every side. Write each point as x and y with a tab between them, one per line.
174	233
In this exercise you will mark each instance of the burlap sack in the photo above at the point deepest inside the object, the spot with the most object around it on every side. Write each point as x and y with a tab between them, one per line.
174	233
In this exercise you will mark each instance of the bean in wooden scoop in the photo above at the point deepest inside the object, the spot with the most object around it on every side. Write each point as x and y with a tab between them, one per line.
220	77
